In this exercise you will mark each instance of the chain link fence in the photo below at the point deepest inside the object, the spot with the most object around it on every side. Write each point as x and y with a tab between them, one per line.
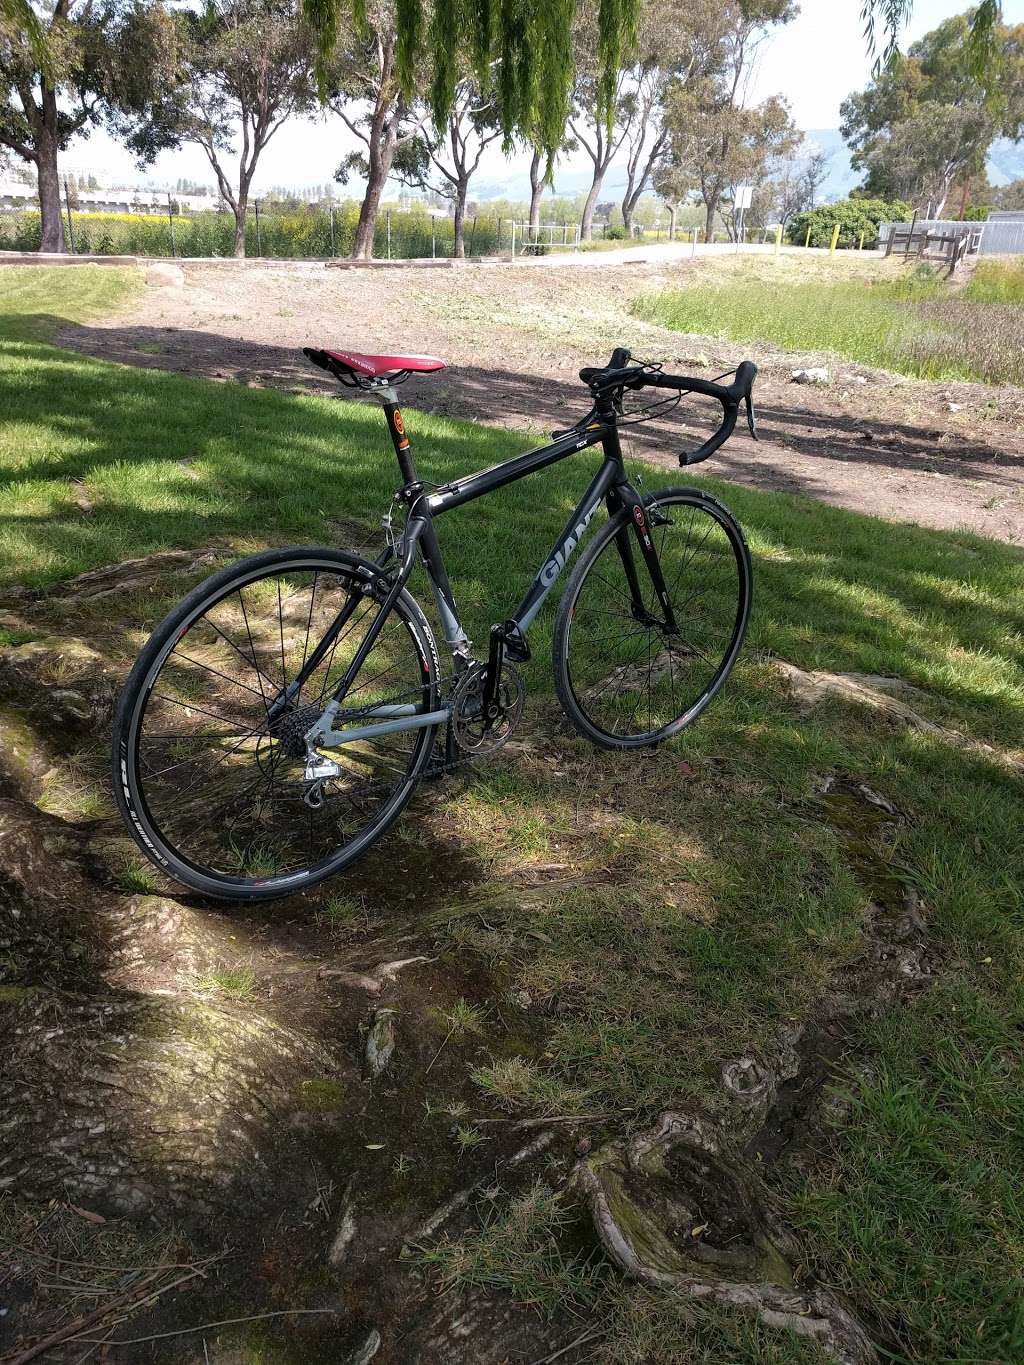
310	233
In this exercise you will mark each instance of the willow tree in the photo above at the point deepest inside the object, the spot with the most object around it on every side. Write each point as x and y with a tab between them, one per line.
530	41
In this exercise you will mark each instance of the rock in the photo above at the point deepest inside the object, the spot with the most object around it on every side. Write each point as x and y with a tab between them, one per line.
380	1042
368	1349
163	275
853	379
950	406
817	375
22	764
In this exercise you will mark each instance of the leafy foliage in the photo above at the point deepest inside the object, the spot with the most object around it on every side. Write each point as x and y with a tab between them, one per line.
528	44
927	120
854	216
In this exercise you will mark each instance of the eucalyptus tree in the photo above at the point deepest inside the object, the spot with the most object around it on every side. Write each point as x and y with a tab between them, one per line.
442	159
64	69
927	120
232	74
674	186
365	91
678	42
713	133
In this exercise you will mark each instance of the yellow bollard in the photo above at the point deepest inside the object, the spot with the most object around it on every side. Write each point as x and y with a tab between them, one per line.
835	239
778	239
807	239
860	246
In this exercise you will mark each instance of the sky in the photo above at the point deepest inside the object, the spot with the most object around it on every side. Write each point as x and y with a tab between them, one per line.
815	62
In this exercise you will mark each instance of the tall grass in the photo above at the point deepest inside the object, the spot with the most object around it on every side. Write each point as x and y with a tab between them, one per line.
915	324
997	282
304	234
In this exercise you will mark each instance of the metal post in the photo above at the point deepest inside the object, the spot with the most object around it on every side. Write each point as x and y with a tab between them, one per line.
860	244
513	239
259	239
433	236
834	241
807	239
910	234
693	249
71	226
170	219
330	210
389	233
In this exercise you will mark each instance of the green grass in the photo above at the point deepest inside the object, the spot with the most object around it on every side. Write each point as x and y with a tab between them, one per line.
877	313
704	900
997	282
238	982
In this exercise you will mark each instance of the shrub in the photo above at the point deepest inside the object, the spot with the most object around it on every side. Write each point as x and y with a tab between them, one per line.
854	216
615	233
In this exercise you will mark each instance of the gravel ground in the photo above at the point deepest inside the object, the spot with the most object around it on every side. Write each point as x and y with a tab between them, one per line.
514	337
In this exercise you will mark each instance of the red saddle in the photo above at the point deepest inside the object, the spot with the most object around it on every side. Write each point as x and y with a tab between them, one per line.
372	366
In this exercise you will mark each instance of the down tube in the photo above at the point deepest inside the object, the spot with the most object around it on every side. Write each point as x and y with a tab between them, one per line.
567	543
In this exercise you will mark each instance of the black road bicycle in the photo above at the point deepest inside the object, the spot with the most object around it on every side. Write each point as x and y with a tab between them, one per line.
278	720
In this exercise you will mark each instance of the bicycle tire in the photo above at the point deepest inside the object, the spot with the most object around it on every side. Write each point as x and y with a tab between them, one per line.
129	723
576	693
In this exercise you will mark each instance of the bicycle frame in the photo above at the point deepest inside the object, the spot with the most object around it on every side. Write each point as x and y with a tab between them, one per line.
609	485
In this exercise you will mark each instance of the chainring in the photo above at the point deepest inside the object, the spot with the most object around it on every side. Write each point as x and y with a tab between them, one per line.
472	731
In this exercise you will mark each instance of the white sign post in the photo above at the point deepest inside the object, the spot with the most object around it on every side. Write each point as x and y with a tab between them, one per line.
744	198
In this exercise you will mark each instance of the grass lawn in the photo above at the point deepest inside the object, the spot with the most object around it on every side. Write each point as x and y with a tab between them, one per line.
711	900
907	319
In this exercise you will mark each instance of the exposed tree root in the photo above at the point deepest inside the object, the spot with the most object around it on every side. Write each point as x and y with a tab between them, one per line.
891	696
674	1208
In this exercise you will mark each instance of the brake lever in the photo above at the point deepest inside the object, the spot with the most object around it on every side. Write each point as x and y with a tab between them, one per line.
751	420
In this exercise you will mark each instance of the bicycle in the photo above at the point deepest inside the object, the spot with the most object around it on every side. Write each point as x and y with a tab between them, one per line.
279	719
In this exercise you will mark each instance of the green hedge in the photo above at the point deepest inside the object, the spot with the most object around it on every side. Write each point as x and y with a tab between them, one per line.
854	216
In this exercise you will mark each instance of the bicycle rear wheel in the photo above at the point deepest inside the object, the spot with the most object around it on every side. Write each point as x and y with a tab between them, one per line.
210	768
624	679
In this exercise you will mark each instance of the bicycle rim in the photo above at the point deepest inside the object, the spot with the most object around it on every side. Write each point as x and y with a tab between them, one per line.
628	683
213	781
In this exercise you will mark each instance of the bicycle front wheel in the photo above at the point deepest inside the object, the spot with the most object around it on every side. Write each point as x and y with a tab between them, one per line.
210	762
623	677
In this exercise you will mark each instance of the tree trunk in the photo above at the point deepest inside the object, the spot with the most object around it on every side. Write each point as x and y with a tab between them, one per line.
239	247
587	221
460	218
672	211
382	155
709	225
51	218
536	192
362	247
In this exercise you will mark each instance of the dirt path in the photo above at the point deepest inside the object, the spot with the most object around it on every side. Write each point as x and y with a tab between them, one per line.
515	336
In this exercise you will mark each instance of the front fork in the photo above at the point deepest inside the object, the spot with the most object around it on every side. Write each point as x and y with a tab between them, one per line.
624	496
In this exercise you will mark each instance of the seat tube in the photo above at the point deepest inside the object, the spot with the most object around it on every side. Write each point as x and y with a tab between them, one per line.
430	550
399	439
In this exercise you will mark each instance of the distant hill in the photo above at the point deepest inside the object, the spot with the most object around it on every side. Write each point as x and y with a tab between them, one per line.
1005	163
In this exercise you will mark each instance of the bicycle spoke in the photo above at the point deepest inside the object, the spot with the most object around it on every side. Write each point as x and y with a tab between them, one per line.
229	795
629	683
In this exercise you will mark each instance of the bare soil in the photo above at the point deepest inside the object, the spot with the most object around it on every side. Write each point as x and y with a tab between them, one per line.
514	337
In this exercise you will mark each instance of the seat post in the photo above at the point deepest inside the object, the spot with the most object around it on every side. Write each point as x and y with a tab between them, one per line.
399	439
